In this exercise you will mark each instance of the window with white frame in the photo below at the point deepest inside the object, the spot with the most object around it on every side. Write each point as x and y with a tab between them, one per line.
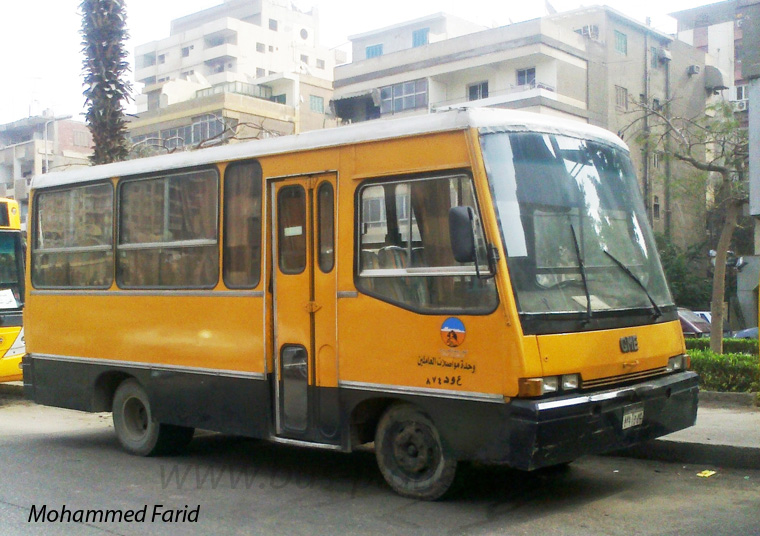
526	77
317	104
373	51
404	96
477	91
621	43
621	97
420	37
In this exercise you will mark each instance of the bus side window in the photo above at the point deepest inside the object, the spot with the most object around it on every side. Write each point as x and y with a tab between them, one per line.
326	236
242	225
406	255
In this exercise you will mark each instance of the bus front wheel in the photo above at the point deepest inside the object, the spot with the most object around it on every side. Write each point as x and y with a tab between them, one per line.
136	428
411	456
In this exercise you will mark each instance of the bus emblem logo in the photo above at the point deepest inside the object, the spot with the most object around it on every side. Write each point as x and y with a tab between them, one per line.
452	332
629	344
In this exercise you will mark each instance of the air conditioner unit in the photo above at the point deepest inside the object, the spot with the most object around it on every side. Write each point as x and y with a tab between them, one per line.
665	55
693	69
740	106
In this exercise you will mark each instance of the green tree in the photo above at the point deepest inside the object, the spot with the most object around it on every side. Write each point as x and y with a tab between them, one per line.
104	32
686	273
712	142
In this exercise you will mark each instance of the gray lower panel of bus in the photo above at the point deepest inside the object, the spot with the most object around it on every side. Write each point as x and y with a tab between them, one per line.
228	404
529	434
524	433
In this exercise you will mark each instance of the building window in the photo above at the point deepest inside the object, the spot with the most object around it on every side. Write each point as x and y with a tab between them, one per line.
320	64
80	138
477	91
148	60
261	47
187	74
621	43
420	37
526	77
656	208
317	104
279	99
373	51
273	25
304	59
656	105
186	51
742	93
653	58
404	96
161	58
621	97
271	48
260	72
656	160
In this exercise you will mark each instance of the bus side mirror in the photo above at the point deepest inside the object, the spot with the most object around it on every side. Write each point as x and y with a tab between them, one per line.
461	234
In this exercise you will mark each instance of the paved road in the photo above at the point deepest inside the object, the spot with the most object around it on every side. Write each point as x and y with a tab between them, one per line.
52	457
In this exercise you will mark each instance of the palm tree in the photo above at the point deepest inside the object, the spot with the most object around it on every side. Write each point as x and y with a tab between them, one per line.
103	35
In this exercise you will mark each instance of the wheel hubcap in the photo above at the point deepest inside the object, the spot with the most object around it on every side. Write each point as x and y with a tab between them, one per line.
412	449
135	417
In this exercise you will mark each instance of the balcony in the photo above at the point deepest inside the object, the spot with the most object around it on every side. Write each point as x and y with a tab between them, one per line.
503	96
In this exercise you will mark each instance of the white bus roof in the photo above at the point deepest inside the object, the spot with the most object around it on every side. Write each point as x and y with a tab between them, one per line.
485	118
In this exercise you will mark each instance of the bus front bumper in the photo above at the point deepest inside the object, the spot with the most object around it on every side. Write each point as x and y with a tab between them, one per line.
556	430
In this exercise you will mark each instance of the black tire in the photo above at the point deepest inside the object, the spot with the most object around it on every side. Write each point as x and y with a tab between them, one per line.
411	455
138	432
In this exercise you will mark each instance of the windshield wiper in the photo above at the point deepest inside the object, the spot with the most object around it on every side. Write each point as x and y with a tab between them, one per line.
582	269
629	273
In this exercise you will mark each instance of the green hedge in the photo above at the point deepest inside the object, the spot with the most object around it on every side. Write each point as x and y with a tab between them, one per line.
733	373
730	346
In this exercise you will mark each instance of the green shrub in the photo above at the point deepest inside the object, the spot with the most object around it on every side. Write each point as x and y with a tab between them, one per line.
730	346
733	373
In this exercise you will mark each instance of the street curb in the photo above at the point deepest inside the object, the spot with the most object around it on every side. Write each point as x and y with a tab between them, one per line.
695	453
728	400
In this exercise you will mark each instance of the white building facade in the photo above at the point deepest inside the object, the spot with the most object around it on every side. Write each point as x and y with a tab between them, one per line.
256	62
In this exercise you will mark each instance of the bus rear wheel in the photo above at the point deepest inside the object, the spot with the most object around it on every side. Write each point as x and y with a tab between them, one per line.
136	428
411	456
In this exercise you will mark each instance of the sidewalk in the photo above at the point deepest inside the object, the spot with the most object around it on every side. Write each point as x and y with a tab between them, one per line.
727	434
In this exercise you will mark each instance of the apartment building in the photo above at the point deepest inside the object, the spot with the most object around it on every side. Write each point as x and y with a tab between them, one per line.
256	63
717	30
590	64
535	65
35	145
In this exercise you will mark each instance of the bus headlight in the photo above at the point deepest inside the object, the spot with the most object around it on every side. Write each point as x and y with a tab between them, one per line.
532	387
570	382
679	362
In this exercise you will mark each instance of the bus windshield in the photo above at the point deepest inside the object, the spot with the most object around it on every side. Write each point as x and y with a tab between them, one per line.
578	244
11	270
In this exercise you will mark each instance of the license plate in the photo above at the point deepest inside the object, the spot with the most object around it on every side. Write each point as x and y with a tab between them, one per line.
633	416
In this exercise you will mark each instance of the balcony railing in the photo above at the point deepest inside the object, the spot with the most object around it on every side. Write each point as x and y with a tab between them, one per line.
511	93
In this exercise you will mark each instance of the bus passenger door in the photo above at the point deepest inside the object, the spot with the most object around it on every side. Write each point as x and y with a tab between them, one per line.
304	298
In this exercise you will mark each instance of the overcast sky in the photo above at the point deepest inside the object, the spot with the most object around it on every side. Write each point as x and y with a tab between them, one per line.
42	62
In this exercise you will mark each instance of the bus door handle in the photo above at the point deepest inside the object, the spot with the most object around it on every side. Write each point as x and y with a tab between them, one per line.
312	307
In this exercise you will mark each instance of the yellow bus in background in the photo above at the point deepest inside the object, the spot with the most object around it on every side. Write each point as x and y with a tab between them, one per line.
469	285
12	346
